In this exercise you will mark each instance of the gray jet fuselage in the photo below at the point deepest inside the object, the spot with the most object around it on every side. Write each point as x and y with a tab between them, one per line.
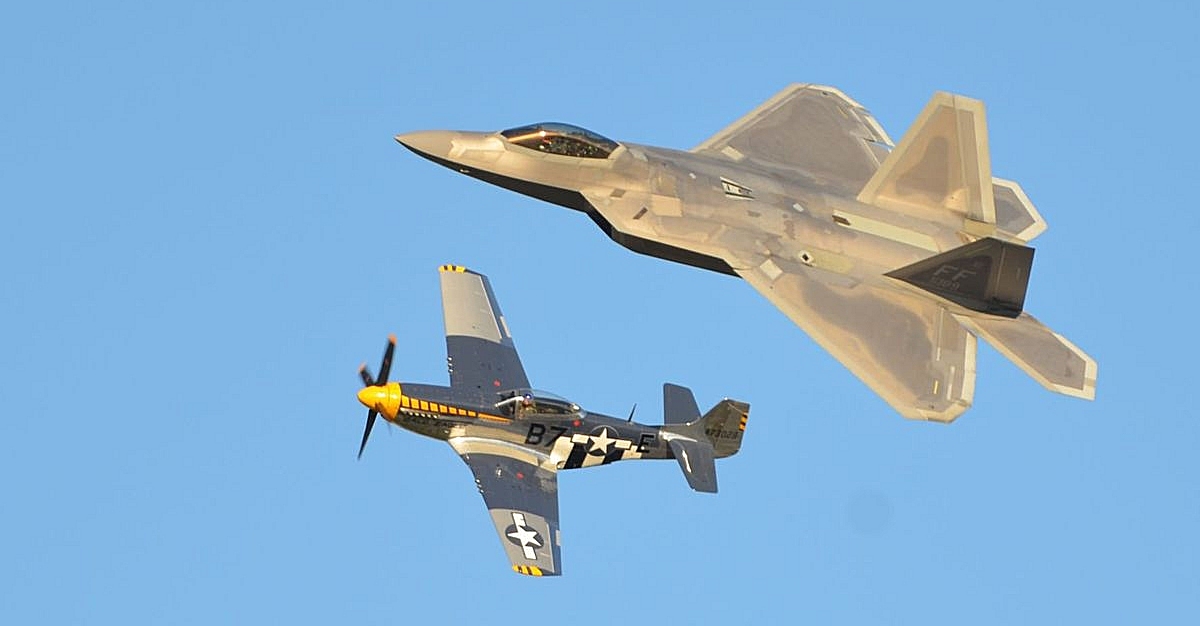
728	207
893	258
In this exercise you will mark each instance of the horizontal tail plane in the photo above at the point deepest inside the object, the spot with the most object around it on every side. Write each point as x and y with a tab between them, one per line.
990	276
698	441
942	164
1048	357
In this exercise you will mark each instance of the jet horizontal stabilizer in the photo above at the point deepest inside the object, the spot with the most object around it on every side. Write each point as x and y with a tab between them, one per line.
989	276
1016	216
1048	357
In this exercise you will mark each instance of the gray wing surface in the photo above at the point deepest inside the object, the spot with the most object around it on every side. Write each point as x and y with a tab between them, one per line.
909	350
479	349
520	489
814	128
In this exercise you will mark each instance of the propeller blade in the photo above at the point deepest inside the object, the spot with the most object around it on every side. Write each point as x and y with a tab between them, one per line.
371	415
386	367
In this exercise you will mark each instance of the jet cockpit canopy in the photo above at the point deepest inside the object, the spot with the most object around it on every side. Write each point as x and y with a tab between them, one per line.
562	139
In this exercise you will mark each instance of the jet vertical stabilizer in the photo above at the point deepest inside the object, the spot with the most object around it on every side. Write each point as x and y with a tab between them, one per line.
989	276
942	162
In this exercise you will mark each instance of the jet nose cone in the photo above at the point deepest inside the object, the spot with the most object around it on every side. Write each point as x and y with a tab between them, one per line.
427	142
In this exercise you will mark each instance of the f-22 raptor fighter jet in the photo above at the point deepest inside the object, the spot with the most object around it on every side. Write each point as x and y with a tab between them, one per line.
893	258
515	439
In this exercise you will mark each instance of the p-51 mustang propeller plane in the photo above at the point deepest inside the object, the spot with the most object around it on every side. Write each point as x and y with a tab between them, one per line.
892	258
515	439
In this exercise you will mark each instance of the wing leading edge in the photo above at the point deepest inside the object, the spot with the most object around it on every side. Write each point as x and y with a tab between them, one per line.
480	351
520	489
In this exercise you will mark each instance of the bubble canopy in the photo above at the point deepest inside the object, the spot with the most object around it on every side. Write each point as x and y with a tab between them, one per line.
561	139
536	401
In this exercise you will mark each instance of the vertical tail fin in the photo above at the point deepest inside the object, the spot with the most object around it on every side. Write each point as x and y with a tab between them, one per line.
724	425
989	276
942	162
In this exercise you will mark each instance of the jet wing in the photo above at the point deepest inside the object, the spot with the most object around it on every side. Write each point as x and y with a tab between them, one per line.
520	488
813	128
480	352
909	350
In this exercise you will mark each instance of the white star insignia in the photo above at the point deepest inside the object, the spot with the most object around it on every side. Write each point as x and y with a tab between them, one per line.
601	442
527	537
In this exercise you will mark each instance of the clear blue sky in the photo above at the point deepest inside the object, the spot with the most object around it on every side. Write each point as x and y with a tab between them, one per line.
207	227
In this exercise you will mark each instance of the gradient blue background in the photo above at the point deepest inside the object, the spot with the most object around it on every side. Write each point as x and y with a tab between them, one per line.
206	227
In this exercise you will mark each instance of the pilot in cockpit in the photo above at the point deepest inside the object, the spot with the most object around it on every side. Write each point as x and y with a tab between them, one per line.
516	403
561	139
522	402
